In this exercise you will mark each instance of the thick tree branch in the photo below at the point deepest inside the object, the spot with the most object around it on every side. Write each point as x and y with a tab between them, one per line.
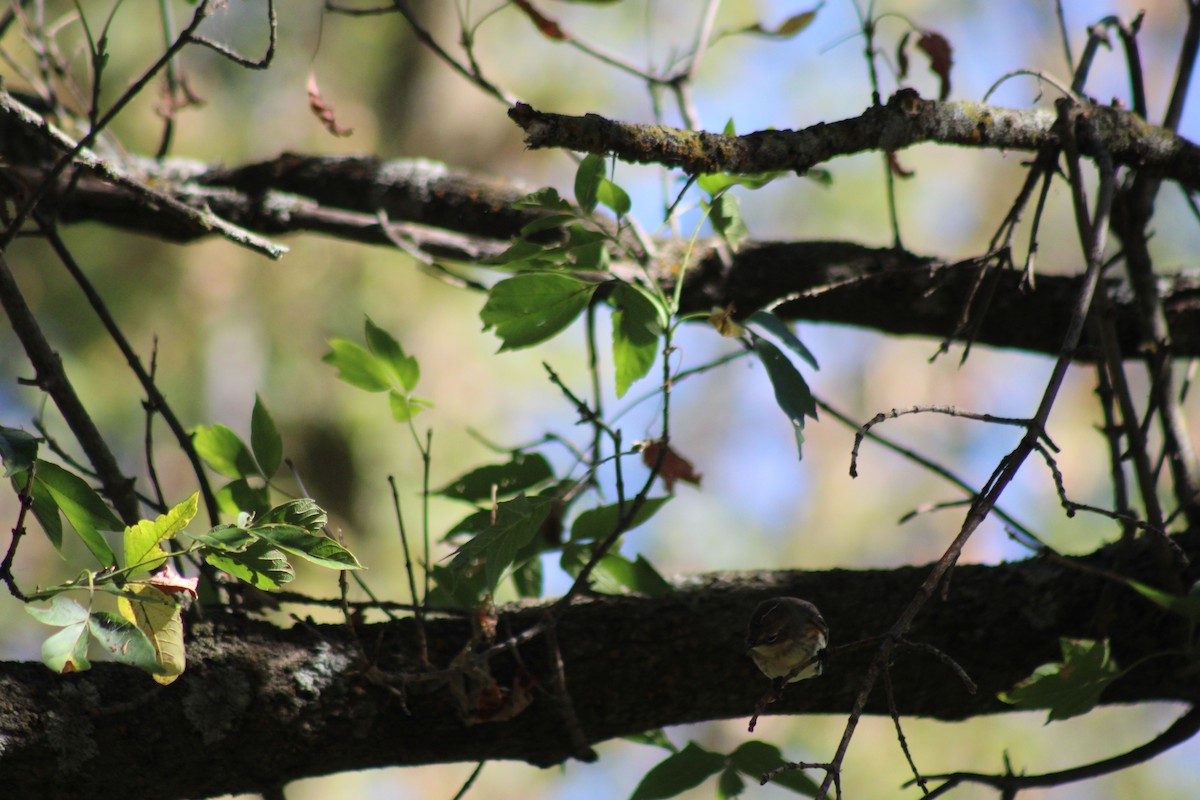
461	217
631	664
905	120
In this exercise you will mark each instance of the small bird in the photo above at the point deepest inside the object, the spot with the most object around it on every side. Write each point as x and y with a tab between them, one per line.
785	633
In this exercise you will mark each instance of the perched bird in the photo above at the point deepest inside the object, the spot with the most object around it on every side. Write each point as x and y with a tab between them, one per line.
784	633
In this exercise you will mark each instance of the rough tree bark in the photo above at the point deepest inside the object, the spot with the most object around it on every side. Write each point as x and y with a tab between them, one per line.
260	706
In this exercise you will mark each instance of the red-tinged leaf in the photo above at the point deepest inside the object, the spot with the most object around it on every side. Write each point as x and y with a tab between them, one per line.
171	582
322	110
548	27
937	47
902	56
674	467
897	169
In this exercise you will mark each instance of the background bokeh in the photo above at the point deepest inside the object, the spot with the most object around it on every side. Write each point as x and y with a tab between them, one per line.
227	324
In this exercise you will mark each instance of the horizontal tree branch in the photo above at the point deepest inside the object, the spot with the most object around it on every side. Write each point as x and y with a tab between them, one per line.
457	216
632	664
905	120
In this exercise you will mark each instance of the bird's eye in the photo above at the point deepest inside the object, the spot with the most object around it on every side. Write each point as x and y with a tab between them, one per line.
772	637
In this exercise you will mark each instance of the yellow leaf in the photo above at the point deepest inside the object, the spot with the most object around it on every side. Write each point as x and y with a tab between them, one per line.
159	616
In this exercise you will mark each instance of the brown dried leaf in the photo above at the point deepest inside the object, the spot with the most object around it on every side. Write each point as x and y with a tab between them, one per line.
722	320
168	581
902	56
937	47
548	27
894	164
323	110
674	466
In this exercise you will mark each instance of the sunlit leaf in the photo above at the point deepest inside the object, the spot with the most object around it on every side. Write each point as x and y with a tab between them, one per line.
614	197
515	524
143	541
356	366
726	218
318	549
635	330
224	451
524	471
65	651
529	309
125	642
83	508
598	523
303	512
588	176
159	616
264	439
403	369
259	564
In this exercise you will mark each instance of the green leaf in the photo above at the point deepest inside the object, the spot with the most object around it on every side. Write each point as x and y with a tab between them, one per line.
356	366
679	772
515	524
544	198
239	496
265	439
159	617
529	309
598	523
143	541
654	737
726	217
523	472
548	222
43	506
614	197
18	449
303	512
791	391
1185	605
716	182
778	328
1069	688
635	331
402	368
125	642
259	565
320	550
226	538
527	578
730	784
83	508
587	182
224	451
65	651
405	407
457	590
786	29
636	576
755	759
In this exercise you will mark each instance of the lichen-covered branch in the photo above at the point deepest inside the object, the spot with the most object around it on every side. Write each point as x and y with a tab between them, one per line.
907	119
